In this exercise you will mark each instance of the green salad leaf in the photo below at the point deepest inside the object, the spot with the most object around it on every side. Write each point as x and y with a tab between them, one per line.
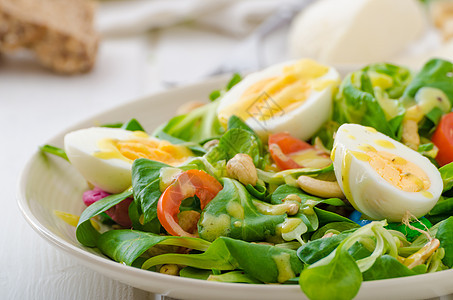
265	263
233	213
85	232
145	184
445	236
446	172
436	73
55	151
197	126
370	97
386	267
126	245
338	279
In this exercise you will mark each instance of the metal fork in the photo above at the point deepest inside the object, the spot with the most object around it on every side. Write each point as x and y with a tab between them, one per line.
246	56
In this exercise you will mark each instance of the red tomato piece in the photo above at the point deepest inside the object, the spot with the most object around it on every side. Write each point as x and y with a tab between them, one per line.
188	184
281	145
443	139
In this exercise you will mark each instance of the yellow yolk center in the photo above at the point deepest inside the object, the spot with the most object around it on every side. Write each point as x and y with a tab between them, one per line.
274	96
397	171
142	147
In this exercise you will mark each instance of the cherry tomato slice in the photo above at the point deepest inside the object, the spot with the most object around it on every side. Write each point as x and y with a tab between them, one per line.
188	184
443	139
281	145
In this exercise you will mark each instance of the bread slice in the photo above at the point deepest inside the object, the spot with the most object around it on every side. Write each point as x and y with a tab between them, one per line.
60	32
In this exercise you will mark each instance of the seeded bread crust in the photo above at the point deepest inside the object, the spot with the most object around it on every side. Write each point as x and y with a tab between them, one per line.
60	32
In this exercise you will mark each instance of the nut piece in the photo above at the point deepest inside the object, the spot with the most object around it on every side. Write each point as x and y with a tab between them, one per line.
320	188
328	235
293	209
292	198
169	269
188	220
410	135
241	167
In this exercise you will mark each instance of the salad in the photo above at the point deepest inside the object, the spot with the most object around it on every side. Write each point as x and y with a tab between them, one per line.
291	175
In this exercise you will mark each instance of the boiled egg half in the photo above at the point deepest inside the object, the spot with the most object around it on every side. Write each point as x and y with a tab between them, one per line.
295	97
104	156
383	178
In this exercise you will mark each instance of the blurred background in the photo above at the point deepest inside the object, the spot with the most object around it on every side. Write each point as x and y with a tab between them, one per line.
62	61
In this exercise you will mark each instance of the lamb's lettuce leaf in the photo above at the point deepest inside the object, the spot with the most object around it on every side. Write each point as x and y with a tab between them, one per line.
126	245
445	236
446	172
233	213
370	97
145	184
265	263
85	232
436	73
197	126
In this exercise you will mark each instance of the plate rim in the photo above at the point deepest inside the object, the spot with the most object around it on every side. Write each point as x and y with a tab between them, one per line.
87	258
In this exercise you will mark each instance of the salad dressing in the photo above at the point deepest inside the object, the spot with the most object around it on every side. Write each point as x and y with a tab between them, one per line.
235	210
215	226
283	263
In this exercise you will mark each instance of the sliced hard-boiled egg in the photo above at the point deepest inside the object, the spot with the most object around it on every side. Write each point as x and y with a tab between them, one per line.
383	178
295	97
104	156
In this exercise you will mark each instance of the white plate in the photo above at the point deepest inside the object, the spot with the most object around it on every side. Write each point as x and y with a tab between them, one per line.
49	183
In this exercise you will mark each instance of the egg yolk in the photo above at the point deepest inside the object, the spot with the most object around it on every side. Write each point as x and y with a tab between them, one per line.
142	147
396	170
273	96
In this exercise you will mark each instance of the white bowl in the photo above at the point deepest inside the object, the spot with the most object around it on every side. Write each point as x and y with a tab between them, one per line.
50	183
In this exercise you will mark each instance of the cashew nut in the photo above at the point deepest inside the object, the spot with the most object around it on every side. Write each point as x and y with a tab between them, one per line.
169	269
292	209
292	198
328	235
241	167
188	220
320	188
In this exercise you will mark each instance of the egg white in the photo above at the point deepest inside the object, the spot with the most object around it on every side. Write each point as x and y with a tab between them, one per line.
368	192
301	122
111	175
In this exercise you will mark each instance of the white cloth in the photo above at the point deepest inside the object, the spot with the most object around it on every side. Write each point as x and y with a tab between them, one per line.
234	17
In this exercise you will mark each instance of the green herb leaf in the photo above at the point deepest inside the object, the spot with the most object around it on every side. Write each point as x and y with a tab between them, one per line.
145	184
385	267
339	279
55	151
234	276
125	246
233	213
445	236
446	172
263	262
133	125
86	234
